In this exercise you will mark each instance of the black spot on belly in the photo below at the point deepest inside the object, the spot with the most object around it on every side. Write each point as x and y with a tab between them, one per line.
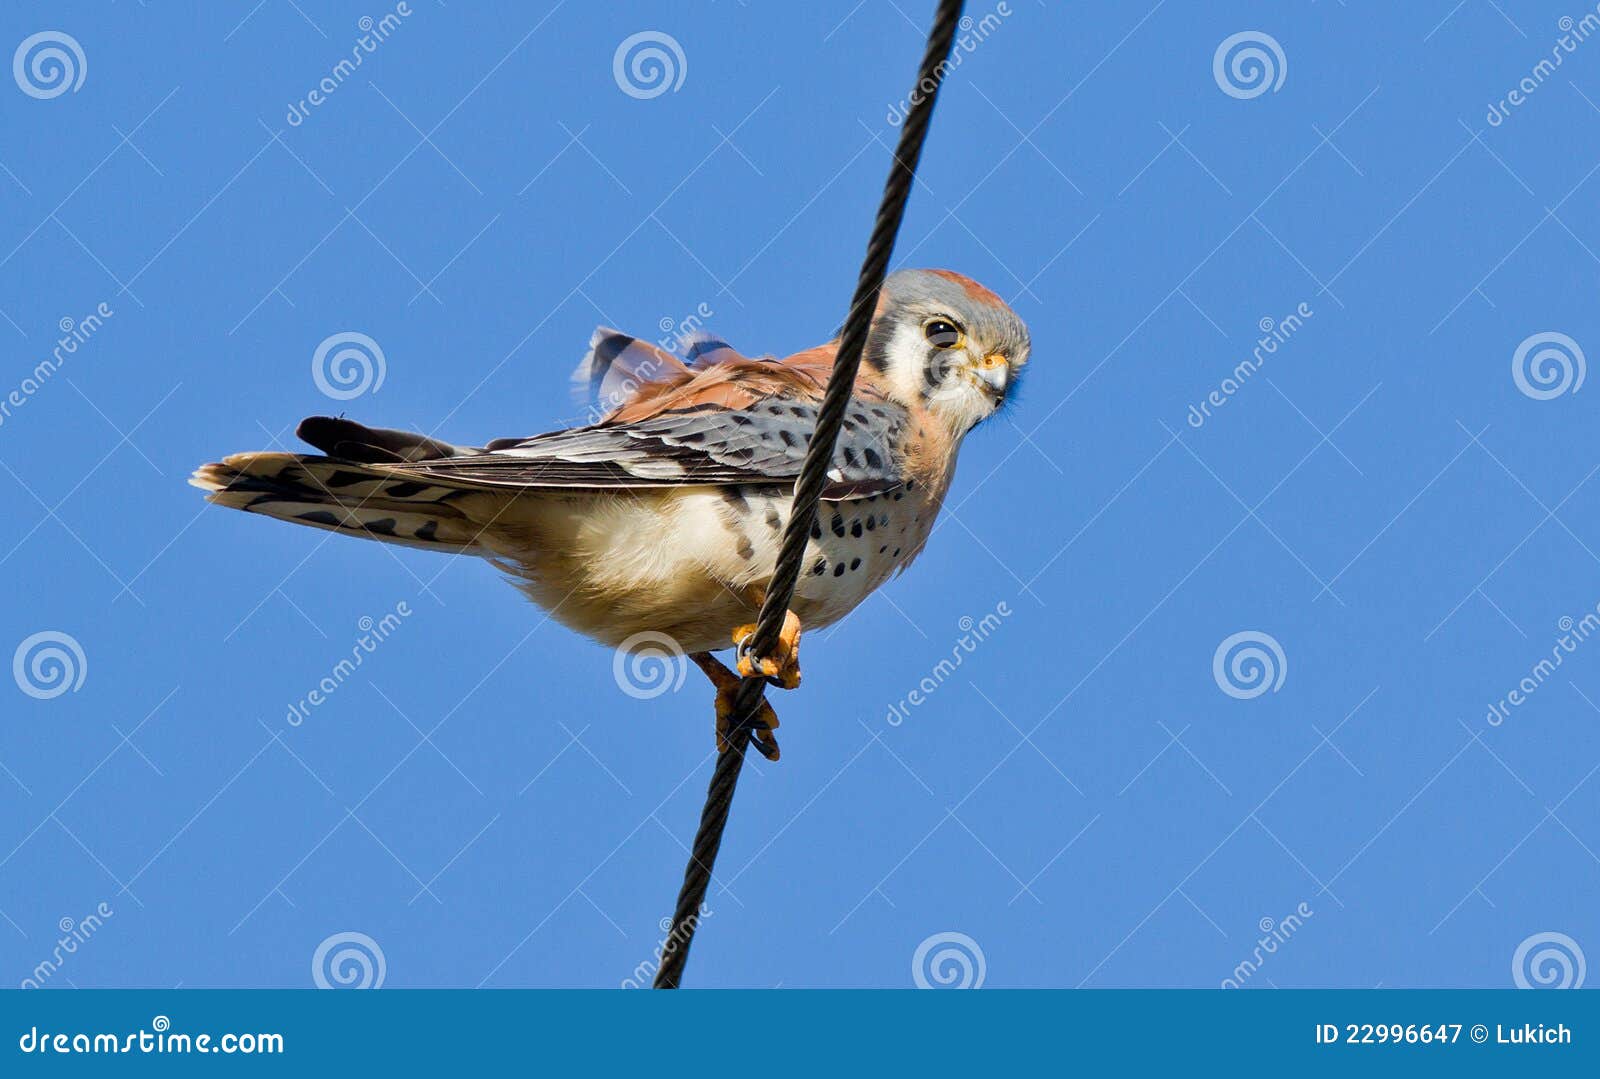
787	436
872	458
855	528
838	570
816	529
911	485
746	551
898	495
341	478
427	531
383	526
872	522
837	524
319	517
849	457
897	552
405	490
855	564
884	548
820	567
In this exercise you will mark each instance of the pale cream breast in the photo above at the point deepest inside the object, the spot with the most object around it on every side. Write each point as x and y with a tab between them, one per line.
691	562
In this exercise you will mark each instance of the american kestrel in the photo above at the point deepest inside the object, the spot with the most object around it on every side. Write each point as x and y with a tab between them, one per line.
665	517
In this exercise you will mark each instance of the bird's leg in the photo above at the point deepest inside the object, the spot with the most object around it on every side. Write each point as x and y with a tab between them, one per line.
727	684
783	667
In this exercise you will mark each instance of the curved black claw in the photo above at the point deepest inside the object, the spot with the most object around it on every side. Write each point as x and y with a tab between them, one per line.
727	683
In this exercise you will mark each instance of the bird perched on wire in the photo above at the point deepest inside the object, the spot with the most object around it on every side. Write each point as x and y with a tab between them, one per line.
665	517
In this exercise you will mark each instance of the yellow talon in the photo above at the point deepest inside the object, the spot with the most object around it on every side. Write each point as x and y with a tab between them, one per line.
784	667
727	685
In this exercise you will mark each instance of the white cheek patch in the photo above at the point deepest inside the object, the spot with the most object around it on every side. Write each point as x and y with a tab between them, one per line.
958	397
906	354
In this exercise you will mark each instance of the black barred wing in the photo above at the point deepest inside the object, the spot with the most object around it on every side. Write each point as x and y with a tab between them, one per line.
702	444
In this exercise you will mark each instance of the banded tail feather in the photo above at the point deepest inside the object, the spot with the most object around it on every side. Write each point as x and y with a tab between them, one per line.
618	365
351	491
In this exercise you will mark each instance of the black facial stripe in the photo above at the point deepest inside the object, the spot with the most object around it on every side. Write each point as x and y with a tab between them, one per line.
934	370
876	354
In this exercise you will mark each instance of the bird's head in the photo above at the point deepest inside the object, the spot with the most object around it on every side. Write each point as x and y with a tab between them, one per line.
943	342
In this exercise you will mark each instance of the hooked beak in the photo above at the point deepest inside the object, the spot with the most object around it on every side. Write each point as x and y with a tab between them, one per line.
995	374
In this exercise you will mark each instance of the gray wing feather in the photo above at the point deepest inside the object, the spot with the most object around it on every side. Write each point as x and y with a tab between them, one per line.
765	443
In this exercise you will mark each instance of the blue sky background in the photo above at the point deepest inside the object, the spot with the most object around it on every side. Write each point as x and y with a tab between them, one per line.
1081	798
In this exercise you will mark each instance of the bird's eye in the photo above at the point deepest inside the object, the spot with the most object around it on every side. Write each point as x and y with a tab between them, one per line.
942	333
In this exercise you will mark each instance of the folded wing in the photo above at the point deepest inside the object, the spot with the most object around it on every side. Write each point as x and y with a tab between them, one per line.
697	444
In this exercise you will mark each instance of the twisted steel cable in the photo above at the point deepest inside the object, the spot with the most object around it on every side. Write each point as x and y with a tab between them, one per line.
808	490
